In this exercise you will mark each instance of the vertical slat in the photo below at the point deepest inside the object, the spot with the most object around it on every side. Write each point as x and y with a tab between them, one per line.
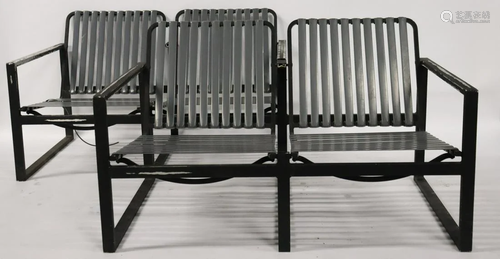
100	49
358	71
370	70
221	14
238	28
182	73
75	49
146	16
255	14
239	15
405	63
118	45
83	52
92	50
193	65
325	89
259	72
153	19
227	45
230	15
267	80
126	46
109	47
134	57
313	65
171	72
204	49
248	70
204	15
302	74
346	58
337	89
196	15
160	65
187	15
393	66
382	72
214	73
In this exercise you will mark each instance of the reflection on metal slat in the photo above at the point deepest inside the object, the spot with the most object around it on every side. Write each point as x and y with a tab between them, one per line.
267	79
109	48
325	88
313	76
118	45
135	48
238	28
182	73
92	50
75	49
204	50
214	73
382	72
302	74
393	65
126	47
337	89
358	71
405	63
159	75
100	50
83	52
346	57
193	65
370	72
259	72
248	70
171	73
153	19
226	71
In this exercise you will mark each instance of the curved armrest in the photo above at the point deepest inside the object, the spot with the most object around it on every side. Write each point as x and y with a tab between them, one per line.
447	76
37	55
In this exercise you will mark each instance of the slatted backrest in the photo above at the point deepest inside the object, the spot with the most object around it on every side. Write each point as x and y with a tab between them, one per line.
103	45
247	14
194	61
332	91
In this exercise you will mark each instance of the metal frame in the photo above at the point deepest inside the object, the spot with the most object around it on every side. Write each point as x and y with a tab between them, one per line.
68	121
460	233
155	169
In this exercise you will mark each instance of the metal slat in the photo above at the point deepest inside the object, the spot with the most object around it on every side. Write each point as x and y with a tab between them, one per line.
126	47
109	47
118	45
75	49
92	50
248	70
227	45
405	63
187	15
325	87
370	72
171	73
393	65
358	71
160	67
146	17
302	74
204	15
83	52
382	72
100	50
346	58
313	66
134	57
182	73
337	89
153	19
204	50
214	72
196	15
230	14
193	65
259	71
238	29
267	80
239	14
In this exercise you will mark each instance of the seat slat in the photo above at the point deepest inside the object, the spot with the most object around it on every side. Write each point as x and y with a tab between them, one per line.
265	17
405	63
393	67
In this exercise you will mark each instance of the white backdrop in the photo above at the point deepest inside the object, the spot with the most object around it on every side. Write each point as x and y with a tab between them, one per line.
468	50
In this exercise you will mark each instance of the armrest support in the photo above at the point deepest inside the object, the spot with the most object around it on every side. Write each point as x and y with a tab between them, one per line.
447	76
37	55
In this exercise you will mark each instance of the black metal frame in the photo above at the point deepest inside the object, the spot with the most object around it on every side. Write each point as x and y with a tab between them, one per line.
155	169
460	233
18	120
